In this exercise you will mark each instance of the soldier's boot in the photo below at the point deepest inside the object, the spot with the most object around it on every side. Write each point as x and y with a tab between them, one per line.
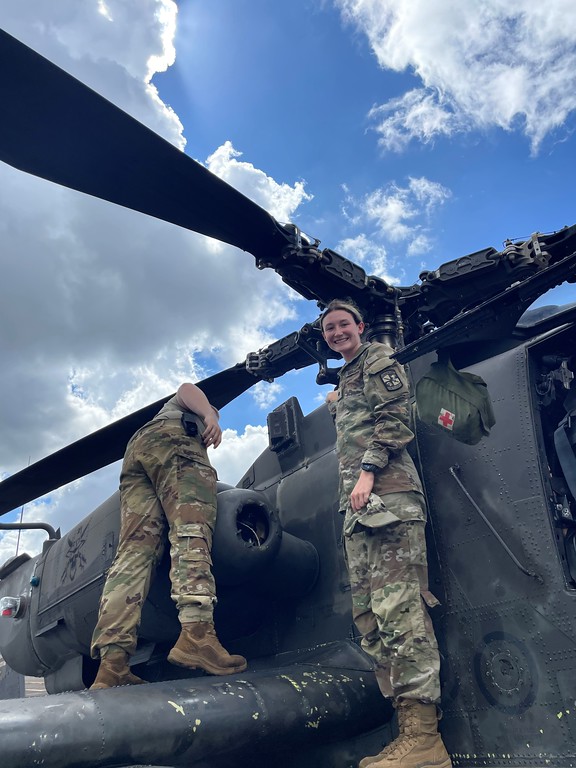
114	670
419	744
199	648
366	761
371	759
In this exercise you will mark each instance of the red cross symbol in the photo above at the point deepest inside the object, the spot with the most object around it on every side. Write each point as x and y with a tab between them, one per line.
446	418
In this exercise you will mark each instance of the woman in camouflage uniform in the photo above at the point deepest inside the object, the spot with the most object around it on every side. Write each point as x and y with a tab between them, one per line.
167	484
385	516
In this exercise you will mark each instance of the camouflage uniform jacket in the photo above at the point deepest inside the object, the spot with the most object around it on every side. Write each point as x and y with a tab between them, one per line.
372	426
172	409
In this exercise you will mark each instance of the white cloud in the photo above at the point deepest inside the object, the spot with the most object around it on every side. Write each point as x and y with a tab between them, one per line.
266	394
106	310
281	200
509	64
419	245
419	114
115	47
93	300
399	214
237	452
63	509
428	193
392	211
371	255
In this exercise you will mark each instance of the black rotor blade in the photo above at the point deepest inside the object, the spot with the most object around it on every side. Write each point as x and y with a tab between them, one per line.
55	127
107	444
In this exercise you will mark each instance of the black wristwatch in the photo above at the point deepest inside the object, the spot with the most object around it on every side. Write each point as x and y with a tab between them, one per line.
374	468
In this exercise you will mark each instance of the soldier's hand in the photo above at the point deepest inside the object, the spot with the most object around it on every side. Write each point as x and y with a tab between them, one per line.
212	435
331	397
362	490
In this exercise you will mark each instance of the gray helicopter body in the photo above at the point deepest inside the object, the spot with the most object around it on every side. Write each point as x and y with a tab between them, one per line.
502	512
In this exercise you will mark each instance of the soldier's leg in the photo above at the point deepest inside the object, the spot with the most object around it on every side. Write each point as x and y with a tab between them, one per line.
397	558
140	548
188	497
400	595
188	494
405	627
361	581
360	570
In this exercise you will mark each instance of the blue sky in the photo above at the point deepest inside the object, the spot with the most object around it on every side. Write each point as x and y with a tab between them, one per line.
291	86
402	133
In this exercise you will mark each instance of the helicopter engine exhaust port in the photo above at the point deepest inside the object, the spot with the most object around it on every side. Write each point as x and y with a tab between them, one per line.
247	536
249	541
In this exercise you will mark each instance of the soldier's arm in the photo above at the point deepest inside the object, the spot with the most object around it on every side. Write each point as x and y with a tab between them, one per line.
191	397
386	389
331	399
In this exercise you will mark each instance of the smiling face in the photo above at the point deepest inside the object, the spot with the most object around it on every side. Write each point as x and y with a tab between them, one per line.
342	333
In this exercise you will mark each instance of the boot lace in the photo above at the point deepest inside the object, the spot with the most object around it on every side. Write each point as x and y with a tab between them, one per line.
407	738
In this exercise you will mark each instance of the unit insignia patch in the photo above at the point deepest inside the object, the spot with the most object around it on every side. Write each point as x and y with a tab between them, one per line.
391	381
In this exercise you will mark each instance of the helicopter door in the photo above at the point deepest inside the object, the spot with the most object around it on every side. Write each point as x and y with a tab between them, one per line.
565	442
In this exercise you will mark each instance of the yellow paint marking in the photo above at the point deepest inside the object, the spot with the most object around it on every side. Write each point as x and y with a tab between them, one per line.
292	682
177	707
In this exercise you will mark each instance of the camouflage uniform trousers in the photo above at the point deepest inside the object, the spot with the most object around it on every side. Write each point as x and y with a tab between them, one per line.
166	482
389	580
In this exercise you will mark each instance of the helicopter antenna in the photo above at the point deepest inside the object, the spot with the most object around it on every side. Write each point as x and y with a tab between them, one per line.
21	520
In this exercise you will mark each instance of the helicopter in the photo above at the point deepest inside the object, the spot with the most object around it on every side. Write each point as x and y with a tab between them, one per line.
501	512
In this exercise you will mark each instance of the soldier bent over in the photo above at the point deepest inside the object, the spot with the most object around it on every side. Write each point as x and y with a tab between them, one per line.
385	517
167	482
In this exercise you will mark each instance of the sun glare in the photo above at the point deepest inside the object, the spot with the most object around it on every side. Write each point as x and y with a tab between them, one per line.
104	10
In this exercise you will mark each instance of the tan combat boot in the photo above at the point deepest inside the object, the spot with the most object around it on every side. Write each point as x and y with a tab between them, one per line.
370	760
114	670
198	647
419	744
366	761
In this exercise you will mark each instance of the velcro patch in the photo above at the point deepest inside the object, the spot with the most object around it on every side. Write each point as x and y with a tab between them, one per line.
391	381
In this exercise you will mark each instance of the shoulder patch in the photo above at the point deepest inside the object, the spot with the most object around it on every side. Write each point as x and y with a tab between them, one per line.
377	359
391	380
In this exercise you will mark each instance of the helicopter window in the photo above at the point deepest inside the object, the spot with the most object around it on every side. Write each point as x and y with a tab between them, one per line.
565	443
540	318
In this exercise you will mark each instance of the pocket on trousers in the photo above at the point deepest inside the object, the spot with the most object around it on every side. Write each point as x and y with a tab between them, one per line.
196	477
193	544
195	556
193	451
